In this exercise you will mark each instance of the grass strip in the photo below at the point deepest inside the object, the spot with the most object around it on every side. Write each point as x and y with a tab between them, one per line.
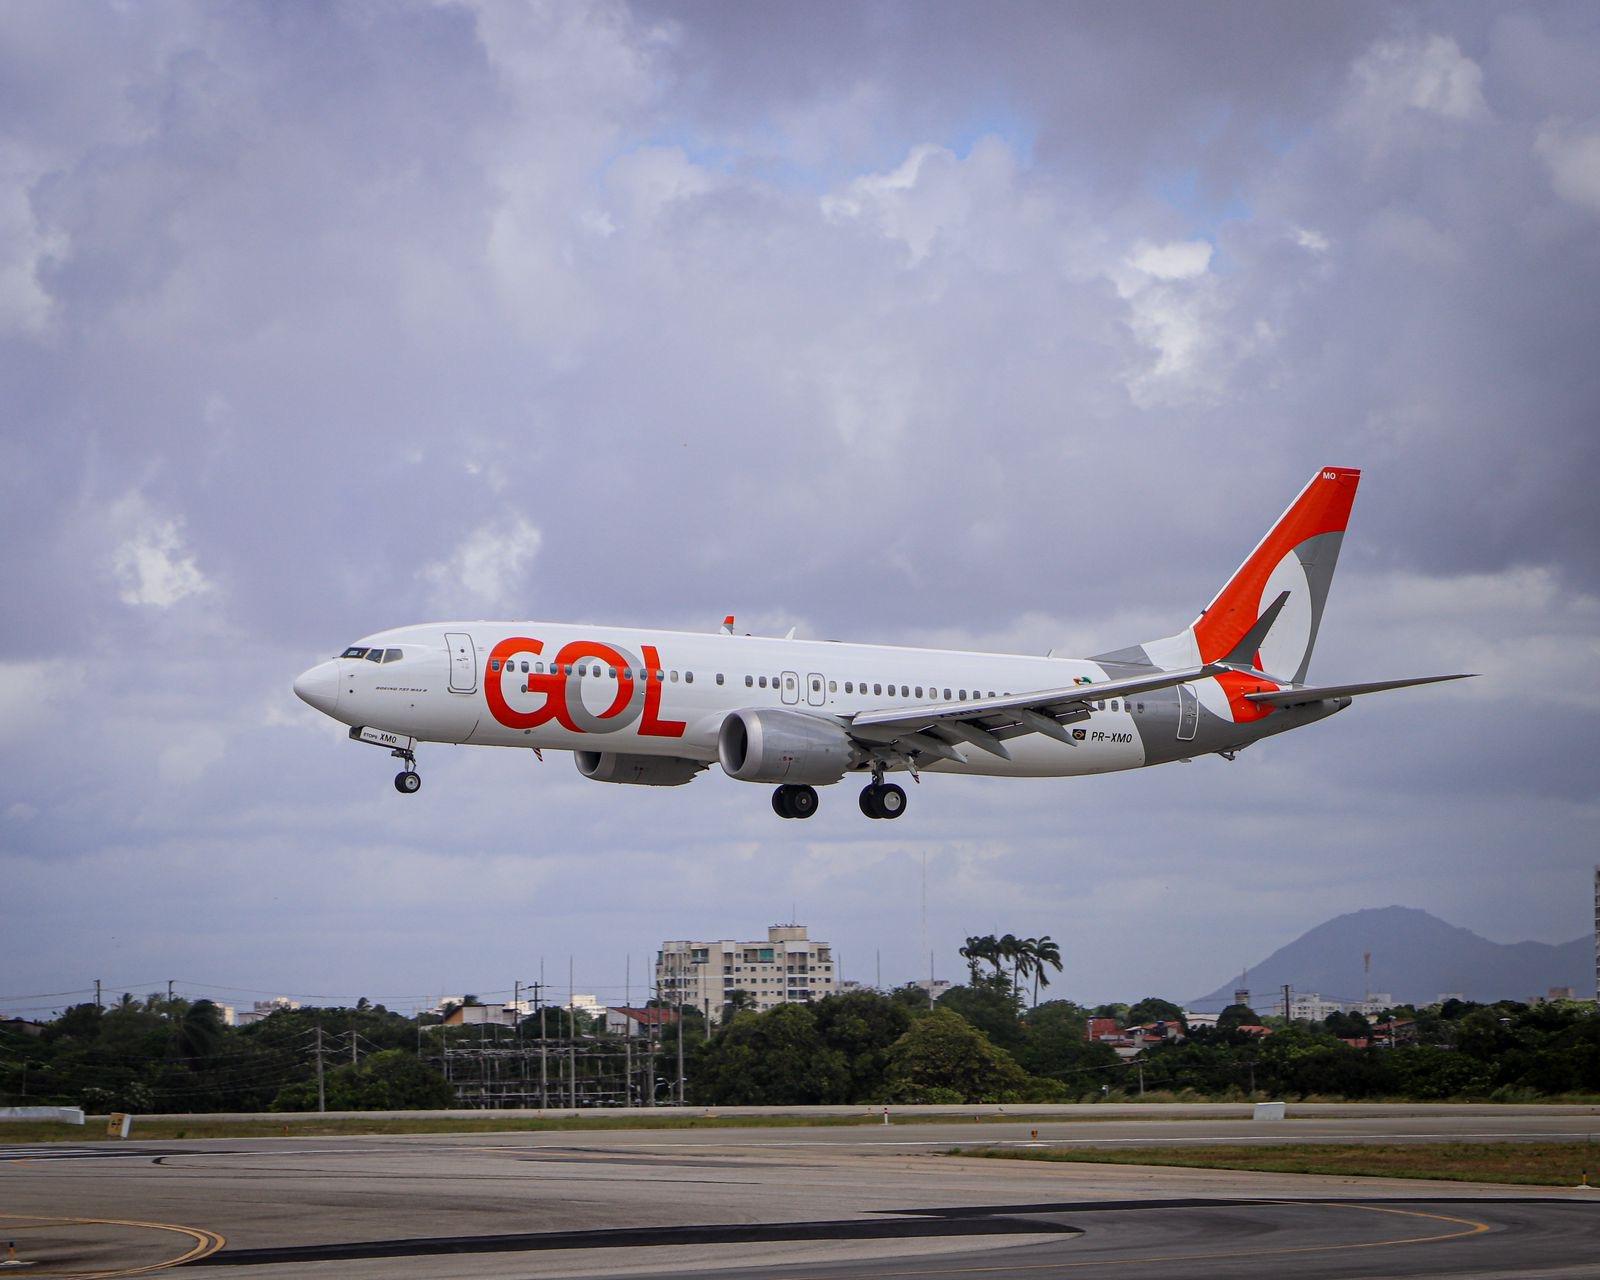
1544	1164
161	1128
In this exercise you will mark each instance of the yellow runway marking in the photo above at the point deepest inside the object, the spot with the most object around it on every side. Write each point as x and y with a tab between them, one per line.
1471	1225
205	1244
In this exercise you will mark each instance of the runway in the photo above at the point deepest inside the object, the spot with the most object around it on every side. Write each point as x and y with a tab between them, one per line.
777	1203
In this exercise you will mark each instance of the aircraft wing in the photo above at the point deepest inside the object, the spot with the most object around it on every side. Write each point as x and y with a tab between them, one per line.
939	729
1322	693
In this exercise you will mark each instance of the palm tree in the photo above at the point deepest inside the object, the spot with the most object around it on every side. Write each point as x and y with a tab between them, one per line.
979	948
1045	952
1011	949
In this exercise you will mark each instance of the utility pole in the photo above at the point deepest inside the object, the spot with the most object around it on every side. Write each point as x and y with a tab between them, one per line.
97	993
1140	1065
322	1096
1287	990
627	1029
544	1069
169	990
925	926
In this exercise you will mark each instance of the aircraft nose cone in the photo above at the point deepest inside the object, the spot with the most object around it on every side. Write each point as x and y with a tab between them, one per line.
320	686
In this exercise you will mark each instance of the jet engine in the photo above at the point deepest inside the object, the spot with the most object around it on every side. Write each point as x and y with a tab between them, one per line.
783	746
640	771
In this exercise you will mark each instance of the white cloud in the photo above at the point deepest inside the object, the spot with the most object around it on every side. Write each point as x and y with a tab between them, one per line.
486	568
1573	156
152	564
25	247
1425	74
1315	241
1180	260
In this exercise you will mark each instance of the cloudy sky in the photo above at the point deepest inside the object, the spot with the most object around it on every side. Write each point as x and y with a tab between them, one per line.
1007	326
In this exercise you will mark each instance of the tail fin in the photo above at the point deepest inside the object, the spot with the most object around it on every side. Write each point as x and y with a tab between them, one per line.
1296	559
1298	555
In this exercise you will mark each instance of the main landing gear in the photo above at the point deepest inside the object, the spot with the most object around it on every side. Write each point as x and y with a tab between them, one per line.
883	800
408	781
794	802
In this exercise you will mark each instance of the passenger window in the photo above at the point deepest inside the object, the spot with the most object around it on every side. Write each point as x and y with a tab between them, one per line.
947	695
660	675
1141	708
877	688
1101	705
763	682
674	677
494	664
905	692
833	686
749	681
566	669
919	691
719	677
524	667
688	677
963	693
612	671
627	673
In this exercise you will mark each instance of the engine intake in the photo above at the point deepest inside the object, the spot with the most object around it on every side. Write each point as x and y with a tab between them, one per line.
783	746
634	770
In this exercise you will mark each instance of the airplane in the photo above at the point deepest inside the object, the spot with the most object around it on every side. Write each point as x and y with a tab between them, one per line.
656	708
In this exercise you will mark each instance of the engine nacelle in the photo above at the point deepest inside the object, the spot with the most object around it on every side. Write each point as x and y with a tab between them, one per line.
639	771
783	746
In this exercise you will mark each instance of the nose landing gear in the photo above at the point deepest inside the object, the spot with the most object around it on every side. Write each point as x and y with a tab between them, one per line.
794	802
408	781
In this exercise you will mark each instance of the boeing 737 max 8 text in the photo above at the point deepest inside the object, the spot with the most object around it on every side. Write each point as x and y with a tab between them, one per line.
654	708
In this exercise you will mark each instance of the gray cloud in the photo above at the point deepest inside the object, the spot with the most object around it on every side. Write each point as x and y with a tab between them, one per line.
893	323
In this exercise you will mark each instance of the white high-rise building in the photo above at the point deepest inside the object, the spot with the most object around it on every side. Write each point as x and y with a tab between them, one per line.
786	967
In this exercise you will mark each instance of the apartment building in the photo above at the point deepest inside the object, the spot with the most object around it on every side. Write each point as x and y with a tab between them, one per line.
787	967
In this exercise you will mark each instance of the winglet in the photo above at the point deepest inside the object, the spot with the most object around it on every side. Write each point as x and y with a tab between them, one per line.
1244	653
727	625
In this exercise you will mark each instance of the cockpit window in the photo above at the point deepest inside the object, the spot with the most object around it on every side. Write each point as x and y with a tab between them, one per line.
391	655
374	655
354	651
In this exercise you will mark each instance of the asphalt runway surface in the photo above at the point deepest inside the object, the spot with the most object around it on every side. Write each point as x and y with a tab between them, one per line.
823	1202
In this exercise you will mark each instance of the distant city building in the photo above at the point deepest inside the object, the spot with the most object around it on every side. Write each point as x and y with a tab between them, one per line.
936	986
264	1009
481	1015
627	1021
1201	1019
228	1014
788	967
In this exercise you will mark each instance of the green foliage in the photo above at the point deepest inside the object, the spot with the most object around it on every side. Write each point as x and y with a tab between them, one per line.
861	1026
945	1052
1055	1046
389	1081
1155	1009
990	1005
773	1057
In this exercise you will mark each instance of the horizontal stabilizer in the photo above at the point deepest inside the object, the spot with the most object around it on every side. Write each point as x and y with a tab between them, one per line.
1244	653
1323	693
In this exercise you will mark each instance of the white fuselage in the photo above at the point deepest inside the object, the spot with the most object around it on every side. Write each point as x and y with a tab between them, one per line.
566	687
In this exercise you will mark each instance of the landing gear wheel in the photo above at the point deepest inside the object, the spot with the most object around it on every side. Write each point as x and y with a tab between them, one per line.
408	783
802	802
780	802
891	801
869	800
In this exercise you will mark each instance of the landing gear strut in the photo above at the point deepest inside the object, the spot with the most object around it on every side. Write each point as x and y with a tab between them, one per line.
408	781
794	802
883	800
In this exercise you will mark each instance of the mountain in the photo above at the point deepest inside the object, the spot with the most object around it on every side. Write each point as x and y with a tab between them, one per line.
1415	958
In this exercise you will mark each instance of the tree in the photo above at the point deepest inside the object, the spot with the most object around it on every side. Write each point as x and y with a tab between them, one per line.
981	948
1055	1045
990	1006
198	1031
393	1080
1011	952
944	1054
1045	953
861	1026
776	1058
1236	1016
1155	1009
